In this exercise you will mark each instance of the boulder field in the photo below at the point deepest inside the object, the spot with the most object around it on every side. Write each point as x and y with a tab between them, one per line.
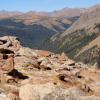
28	74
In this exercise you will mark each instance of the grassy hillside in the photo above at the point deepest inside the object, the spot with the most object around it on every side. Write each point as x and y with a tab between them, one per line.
81	40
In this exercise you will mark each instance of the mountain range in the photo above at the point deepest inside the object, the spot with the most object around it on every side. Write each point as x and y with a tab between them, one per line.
75	31
81	40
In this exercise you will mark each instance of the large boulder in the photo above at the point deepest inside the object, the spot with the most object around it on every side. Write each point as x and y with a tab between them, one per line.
10	42
37	91
63	57
50	91
27	52
43	53
6	60
28	92
9	64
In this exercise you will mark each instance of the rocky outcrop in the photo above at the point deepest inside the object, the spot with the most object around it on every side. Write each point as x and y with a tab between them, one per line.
8	46
29	74
9	64
9	42
50	91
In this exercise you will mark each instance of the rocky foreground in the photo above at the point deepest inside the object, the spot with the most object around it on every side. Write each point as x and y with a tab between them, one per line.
27	74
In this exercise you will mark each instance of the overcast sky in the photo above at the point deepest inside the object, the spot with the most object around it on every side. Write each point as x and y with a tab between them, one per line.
44	5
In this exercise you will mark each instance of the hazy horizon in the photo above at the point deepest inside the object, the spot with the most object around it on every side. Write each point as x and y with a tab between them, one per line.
45	5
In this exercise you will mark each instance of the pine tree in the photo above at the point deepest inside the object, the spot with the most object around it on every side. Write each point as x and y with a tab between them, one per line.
98	60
